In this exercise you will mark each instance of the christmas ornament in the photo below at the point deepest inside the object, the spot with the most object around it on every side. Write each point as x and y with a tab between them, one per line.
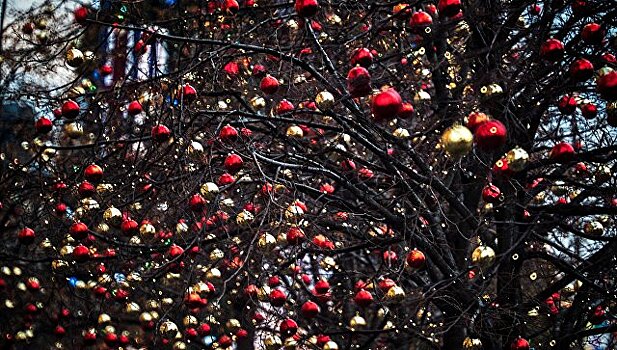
134	108
475	119
457	140
324	100
93	173
581	69
483	256
562	152
70	109
607	85
386	105
160	133
449	8
490	135
307	8
567	105
552	50
74	57
362	57
359	82
363	298
80	14
592	33
520	344
233	163
416	259
269	85
517	159
43	125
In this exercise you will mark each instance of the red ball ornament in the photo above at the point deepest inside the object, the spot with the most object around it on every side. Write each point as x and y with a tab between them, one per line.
490	135
449	8
277	298
78	231
59	331
129	227
259	70
110	339
416	259
86	189
386	105
226	179
307	8
363	298
562	152
501	168
419	21
106	70
43	125
189	93
567	105
175	251
70	109
81	14
581	69
589	110
552	50
274	281
607	85
134	108
520	344
322	286
233	163
491	194
81	253
362	57
228	133
284	106
475	119
197	202
385	284
26	236
231	6
225	341
295	236
288	327
93	173
269	85
160	133
406	111
310	309
359	82
592	33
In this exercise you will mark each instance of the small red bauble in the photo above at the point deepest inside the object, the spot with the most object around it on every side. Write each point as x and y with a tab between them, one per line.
416	259
106	70
386	105
322	286
562	152
269	85
225	341
592	33
135	108
535	9
259	70
93	173
59	331
160	133
501	168
567	105
449	8
78	231
385	284
307	8
359	82
363	298
26	236
81	14
475	119
231	6
284	106
581	69
520	344
362	57
490	135
233	163
310	309
607	85
81	253
491	194
277	298
129	227
43	125
86	189
226	179
589	110
232	68
197	202
189	92
175	251
552	50
288	327
70	109
406	111
228	133
110	339
420	20
295	236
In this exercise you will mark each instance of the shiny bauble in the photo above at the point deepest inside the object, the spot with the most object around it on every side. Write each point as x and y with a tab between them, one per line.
357	322
160	133
269	85
517	159
74	130
562	152
70	109
197	202
228	133
112	216
26	236
74	58
475	119
592	33
266	241
363	298
490	136
324	100
307	8
567	104
457	140
93	173
519	344
209	190
43	125
416	259
491	194
80	14
483	256
593	228
331	345
288	327
233	163
277	298
395	293
419	21
80	253
552	50
449	8
589	110
294	131
581	69
362	57
189	93
359	82
78	231
147	230
386	105
607	85
310	309
472	344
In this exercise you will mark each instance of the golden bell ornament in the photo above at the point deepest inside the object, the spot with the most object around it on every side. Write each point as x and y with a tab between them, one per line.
594	228
294	131
357	322
266	241
472	344
209	190
483	256
168	329
457	140
324	100
331	345
112	216
74	57
395	293
517	159
74	130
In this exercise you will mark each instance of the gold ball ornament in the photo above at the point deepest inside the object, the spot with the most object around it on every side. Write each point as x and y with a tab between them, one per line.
216	255
147	230
295	131
168	329
293	212
395	293
594	228
331	345
102	228
179	345
195	148
258	102
213	274
209	190
324	100
483	256
273	342
74	57
401	133
266	241
233	325
244	218
74	130
190	321
357	322
472	344
112	216
517	159
104	318
457	140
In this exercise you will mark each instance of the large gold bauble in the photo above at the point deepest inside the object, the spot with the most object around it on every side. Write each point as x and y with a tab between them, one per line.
357	322
74	58
104	318
74	130
112	216
472	344
147	230
594	228
457	140
209	190
266	241
517	159
145	317
273	342
295	131
233	325
395	293
132	307
324	100
484	256
331	345
168	329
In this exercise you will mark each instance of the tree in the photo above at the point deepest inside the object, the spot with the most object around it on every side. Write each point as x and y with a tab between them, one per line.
332	174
